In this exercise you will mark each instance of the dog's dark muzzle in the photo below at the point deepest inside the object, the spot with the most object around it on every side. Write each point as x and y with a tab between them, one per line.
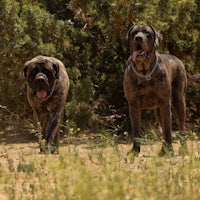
41	86
41	81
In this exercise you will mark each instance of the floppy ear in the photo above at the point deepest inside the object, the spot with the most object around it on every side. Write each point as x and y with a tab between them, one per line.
25	71
56	65
56	69
128	34
157	37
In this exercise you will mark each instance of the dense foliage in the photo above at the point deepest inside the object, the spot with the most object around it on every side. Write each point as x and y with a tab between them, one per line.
89	37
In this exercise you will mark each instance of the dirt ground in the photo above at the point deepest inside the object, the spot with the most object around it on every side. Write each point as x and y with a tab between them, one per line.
13	145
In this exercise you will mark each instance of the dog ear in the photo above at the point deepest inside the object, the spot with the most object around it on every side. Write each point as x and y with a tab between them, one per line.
128	34
56	65
25	70
157	37
56	69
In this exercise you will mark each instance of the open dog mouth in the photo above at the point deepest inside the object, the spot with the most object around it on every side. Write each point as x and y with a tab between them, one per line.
41	94
138	52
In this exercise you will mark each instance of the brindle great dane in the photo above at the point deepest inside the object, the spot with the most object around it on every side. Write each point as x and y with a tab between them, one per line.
154	81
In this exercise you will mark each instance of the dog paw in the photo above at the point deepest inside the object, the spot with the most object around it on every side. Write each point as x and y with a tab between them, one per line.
167	150
49	149
130	156
183	150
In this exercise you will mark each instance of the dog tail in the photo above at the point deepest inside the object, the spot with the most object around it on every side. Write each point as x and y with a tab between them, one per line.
193	78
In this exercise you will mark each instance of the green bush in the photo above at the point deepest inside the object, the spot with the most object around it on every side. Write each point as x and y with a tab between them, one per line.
88	37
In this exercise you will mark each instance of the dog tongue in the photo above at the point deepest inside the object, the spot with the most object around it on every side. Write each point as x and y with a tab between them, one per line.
41	94
135	53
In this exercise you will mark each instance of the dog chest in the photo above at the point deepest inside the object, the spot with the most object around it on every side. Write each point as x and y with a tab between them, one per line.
148	94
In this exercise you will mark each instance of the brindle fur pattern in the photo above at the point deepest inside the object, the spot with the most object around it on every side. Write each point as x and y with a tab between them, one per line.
49	74
166	87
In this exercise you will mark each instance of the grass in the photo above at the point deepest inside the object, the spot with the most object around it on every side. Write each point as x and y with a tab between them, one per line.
86	172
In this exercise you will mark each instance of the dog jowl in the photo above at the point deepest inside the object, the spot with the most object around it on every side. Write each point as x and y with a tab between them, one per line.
154	81
47	90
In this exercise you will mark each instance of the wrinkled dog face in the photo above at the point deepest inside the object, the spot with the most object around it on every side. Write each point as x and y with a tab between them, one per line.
142	40
41	77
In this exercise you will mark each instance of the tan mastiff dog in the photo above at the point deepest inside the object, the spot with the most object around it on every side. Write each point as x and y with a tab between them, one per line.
47	90
154	81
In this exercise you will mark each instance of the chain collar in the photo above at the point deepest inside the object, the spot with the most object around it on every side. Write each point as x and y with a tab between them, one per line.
147	77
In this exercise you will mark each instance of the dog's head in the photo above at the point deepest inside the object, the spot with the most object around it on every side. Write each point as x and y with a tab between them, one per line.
142	41
41	74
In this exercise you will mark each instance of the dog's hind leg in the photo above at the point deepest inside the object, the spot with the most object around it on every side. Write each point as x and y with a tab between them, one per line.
179	103
180	108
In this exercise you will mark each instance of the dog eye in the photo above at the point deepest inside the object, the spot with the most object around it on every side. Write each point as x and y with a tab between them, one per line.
34	71
44	71
134	33
147	33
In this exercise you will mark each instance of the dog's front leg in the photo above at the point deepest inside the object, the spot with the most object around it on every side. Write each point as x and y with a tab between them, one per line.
52	131
135	117
165	113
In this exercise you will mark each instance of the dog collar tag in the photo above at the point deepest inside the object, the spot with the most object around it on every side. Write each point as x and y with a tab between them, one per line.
148	77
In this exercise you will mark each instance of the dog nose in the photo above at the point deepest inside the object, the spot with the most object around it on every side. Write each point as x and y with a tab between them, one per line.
138	38
40	80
